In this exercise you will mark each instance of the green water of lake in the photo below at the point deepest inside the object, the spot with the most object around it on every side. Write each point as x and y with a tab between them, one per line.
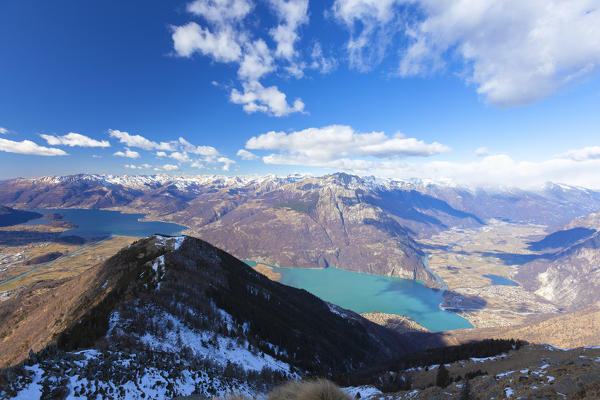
364	293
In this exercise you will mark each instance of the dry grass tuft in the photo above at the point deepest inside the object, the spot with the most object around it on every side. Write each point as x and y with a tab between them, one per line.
319	389
232	396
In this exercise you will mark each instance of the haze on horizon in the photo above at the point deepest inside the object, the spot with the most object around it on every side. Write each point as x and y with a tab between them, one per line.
471	92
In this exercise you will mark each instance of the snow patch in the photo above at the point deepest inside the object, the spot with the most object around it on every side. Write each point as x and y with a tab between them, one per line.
173	242
480	360
364	392
207	344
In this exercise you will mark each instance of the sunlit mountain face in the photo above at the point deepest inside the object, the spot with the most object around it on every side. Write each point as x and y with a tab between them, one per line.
299	199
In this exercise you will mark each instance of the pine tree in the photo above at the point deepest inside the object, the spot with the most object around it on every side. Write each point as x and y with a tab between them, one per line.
443	377
465	392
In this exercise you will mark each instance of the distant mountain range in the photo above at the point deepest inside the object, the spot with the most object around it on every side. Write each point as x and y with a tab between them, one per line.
340	220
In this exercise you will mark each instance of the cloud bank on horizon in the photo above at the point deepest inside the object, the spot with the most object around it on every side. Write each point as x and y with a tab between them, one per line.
339	148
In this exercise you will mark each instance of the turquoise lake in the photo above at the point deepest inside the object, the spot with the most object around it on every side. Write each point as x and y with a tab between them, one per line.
358	292
364	293
100	223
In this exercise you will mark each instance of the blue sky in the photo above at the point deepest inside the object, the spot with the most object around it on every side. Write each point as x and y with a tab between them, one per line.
471	91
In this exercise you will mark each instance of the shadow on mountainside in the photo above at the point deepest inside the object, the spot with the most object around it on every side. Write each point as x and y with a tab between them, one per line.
456	302
515	258
23	238
408	205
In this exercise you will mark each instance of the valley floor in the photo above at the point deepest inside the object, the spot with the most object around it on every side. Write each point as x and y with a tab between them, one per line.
461	258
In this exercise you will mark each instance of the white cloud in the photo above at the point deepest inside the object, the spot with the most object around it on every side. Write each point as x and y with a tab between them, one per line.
491	171
131	166
257	61
161	154
221	12
191	38
146	166
227	163
3	130
167	167
73	139
227	39
128	153
502	170
207	151
140	141
584	154
516	52
321	63
371	24
322	146
482	152
269	100
246	155
179	156
29	147
292	14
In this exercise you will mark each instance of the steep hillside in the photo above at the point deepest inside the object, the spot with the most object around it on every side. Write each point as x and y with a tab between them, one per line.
531	372
186	315
568	330
317	223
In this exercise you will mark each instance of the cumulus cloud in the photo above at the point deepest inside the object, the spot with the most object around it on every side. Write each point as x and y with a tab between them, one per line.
515	52
292	14
207	151
3	130
584	154
225	38
128	153
132	166
191	38
73	139
221	12
265	99
140	141
330	145
179	156
180	150
246	155
29	147
167	167
226	163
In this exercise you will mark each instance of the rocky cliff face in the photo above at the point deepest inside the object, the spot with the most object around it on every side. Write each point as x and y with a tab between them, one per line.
315	223
569	278
569	273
